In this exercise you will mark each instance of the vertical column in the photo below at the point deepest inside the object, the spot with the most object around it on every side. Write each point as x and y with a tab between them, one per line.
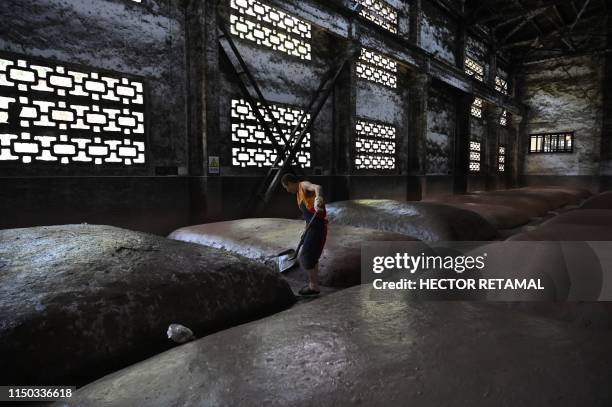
492	72
415	23
417	123
345	108
520	147
460	45
195	22
490	146
461	143
211	77
605	169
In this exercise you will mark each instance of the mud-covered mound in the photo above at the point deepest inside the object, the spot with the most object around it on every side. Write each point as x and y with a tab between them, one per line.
263	238
362	347
601	201
592	217
549	198
425	221
80	301
500	216
567	232
528	207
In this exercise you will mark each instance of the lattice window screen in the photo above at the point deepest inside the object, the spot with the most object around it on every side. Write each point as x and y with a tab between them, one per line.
271	27
380	13
474	69
501	85
501	158
51	113
503	119
374	146
476	109
474	156
377	68
251	147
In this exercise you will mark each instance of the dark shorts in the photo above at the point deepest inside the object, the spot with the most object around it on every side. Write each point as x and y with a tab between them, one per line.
313	244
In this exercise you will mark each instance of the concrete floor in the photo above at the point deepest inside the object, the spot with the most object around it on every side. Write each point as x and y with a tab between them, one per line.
362	347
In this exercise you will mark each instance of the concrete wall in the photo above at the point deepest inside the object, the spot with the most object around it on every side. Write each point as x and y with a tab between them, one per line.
565	95
146	40
172	46
441	125
438	33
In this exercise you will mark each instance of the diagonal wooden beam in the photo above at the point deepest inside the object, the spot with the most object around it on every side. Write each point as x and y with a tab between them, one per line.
525	21
584	6
507	13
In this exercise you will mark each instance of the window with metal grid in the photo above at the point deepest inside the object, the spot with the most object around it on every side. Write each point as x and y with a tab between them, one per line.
270	27
562	142
54	113
374	145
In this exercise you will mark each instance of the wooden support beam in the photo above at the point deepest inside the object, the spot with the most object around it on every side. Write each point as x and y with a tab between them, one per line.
584	6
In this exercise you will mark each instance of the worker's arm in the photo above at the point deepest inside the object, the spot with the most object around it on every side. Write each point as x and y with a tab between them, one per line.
318	191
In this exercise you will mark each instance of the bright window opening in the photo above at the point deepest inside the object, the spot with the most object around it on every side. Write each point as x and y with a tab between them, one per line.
476	109
374	145
271	28
250	145
474	156
379	12
552	143
56	114
377	68
473	68
501	158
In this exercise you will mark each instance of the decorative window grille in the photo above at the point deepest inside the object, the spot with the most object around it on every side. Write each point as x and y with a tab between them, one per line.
55	114
501	158
374	145
377	68
251	147
381	13
476	109
562	142
473	68
503	119
474	156
270	27
501	85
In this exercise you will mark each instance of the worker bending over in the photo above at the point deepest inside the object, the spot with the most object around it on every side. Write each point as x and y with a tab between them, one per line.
311	203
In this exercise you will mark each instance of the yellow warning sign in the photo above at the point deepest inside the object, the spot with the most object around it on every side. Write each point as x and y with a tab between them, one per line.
213	165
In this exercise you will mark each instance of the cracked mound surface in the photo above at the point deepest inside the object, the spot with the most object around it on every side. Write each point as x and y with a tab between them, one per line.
262	239
79	301
363	347
425	221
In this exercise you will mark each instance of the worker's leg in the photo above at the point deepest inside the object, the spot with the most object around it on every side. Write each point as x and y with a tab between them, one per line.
313	278
309	257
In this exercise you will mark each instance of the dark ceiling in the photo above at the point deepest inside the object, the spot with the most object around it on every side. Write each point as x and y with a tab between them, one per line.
527	30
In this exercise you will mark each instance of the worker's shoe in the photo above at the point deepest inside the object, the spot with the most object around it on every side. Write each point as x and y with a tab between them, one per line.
308	291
